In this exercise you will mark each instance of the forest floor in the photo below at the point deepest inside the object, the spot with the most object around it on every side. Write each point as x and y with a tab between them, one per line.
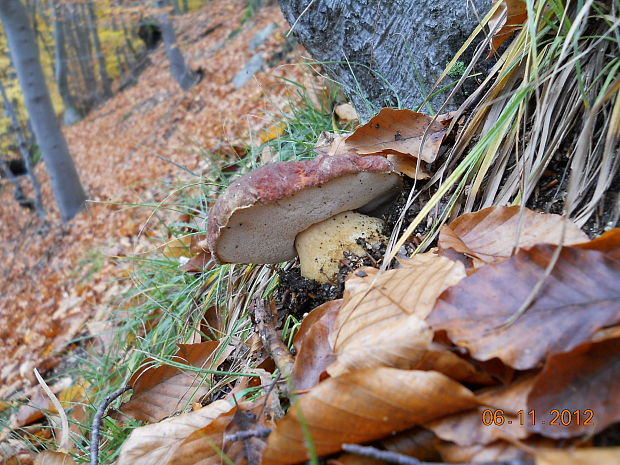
57	281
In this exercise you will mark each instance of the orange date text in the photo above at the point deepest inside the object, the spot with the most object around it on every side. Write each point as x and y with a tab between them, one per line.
555	417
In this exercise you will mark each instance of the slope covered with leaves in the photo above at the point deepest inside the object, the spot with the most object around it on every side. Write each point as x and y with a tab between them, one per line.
55	279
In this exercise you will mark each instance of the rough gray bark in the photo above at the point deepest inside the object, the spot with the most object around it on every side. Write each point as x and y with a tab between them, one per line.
70	114
179	69
66	185
9	112
385	52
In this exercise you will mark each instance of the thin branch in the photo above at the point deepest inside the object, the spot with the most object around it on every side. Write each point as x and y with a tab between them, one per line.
278	351
252	433
400	459
94	441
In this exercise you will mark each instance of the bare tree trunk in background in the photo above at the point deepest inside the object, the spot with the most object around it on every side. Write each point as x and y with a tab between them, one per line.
38	11
175	5
9	111
185	6
103	72
127	38
182	73
385	53
66	184
79	41
70	114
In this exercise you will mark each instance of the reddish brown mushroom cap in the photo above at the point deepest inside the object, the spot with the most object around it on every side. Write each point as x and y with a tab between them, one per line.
258	217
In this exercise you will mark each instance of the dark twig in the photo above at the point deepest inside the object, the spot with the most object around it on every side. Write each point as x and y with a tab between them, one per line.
94	439
400	459
252	433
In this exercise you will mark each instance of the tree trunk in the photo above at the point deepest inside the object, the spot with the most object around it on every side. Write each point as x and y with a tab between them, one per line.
70	114
103	72
9	112
182	73
385	53
79	42
66	184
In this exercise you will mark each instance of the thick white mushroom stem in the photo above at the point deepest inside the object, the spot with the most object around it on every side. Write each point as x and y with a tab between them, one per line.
322	245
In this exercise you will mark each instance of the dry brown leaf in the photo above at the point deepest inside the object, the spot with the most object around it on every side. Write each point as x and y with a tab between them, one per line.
468	428
314	353
198	263
381	322
511	397
482	425
249	416
417	442
491	235
585	456
203	446
34	410
401	131
162	391
609	243
409	166
498	451
361	406
352	459
512	14
579	297
169	441
330	143
49	457
439	357
578	393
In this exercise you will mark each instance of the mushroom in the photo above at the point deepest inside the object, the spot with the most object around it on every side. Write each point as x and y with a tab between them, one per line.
280	209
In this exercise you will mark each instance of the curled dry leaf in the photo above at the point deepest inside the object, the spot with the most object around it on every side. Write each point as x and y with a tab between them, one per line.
585	456
409	166
188	439
578	391
361	406
493	234
511	15
381	322
162	391
314	352
402	132
579	297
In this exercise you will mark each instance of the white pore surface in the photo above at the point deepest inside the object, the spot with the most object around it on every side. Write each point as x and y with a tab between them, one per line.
266	233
